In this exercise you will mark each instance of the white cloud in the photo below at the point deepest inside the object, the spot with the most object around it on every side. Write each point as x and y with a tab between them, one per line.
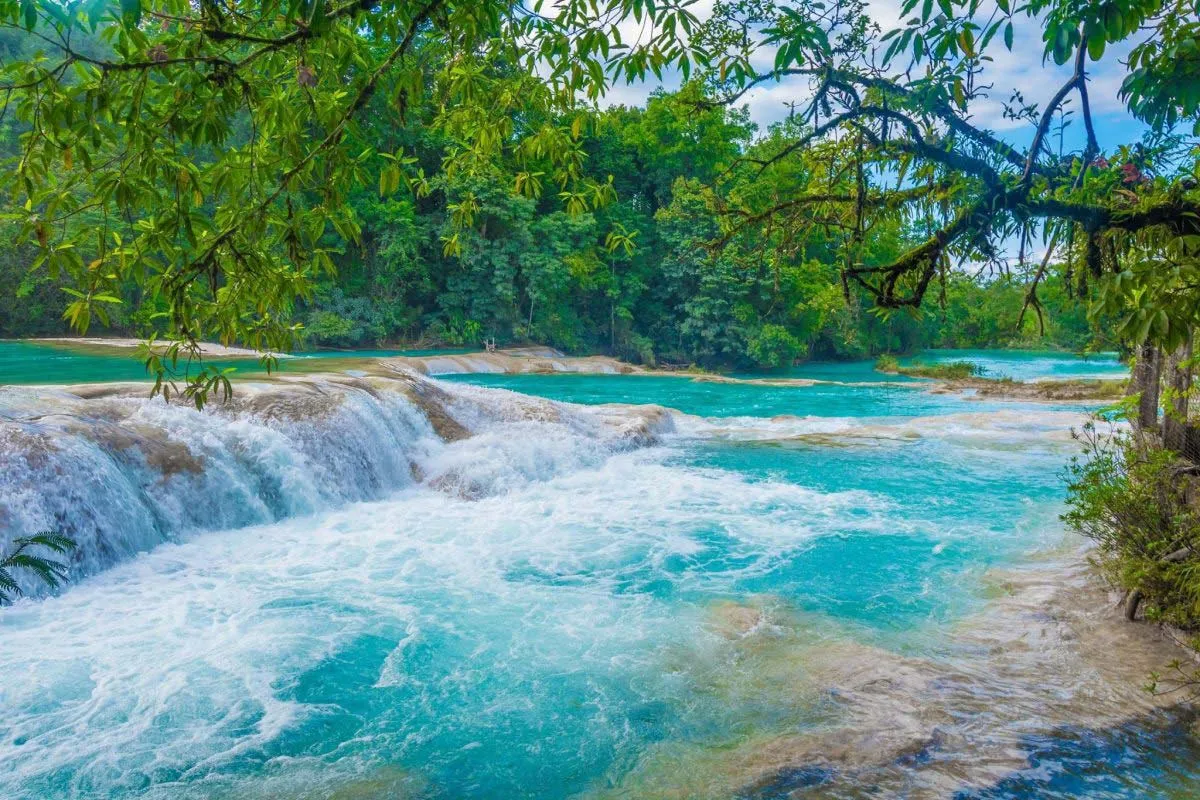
1022	70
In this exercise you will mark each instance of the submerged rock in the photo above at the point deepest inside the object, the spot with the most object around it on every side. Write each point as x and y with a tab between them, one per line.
1035	665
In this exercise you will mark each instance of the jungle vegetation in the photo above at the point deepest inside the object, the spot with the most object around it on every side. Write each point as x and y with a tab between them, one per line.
346	174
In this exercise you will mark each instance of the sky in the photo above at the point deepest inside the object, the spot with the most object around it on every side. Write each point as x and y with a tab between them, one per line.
1021	69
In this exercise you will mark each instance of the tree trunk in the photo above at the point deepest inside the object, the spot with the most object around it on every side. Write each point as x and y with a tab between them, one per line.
1145	381
1179	379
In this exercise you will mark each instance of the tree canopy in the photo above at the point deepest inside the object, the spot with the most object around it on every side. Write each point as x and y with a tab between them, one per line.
896	136
236	171
218	142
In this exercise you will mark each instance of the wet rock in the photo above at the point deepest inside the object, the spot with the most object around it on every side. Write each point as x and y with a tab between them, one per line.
433	403
733	620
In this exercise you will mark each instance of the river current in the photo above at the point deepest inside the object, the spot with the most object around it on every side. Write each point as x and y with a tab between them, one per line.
388	586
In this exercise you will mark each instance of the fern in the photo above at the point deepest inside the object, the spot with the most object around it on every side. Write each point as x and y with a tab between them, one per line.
50	571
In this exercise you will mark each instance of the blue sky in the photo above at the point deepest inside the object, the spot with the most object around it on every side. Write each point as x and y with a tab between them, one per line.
1021	69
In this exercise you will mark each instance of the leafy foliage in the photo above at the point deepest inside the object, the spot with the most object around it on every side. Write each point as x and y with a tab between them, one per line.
214	146
950	371
891	138
273	174
1125	494
23	556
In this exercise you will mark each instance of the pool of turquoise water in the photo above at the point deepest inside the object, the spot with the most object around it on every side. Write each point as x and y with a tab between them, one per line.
37	363
25	362
1022	365
752	399
1025	365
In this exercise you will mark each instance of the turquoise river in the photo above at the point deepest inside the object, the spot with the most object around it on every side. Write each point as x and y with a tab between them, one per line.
380	585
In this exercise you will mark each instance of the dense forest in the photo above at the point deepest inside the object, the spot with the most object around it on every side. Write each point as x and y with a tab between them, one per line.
645	273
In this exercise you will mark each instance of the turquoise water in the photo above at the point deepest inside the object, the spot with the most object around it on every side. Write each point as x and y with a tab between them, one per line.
23	363
33	363
791	592
30	363
386	353
848	371
706	398
1026	365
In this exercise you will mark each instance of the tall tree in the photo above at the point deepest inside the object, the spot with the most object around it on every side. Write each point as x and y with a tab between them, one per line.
900	106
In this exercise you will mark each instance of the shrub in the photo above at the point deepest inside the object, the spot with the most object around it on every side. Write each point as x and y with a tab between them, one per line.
1131	498
887	363
774	346
948	371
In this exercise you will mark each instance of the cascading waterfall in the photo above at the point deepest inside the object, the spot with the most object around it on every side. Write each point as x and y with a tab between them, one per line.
121	472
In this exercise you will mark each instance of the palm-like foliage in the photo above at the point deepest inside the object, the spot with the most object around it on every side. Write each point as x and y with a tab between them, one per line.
51	571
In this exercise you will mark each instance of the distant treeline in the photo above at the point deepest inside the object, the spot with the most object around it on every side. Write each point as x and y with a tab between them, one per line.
645	277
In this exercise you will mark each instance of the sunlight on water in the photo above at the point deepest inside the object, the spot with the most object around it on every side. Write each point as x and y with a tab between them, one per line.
776	592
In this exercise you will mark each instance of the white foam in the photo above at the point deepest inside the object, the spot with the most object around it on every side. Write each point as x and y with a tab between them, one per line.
970	428
540	545
122	473
182	659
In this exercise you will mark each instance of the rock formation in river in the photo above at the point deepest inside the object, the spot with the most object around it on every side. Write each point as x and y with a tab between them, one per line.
120	472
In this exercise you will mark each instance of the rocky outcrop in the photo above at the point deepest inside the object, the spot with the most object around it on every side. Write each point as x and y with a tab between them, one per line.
540	361
1075	389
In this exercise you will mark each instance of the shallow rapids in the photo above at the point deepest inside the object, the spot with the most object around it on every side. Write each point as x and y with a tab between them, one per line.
390	586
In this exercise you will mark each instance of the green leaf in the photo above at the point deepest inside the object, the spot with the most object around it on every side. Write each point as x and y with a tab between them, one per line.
1062	45
131	13
1114	23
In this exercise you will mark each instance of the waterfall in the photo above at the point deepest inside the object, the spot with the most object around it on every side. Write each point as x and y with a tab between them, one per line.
120	472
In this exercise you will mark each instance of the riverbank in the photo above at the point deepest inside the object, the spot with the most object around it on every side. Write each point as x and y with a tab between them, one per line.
966	376
1047	390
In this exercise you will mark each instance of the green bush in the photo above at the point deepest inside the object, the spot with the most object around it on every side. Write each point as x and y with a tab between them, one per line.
1130	498
773	346
887	363
326	327
949	371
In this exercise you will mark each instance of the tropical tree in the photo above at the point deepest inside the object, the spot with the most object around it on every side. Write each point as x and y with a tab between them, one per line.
214	144
889	131
232	171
